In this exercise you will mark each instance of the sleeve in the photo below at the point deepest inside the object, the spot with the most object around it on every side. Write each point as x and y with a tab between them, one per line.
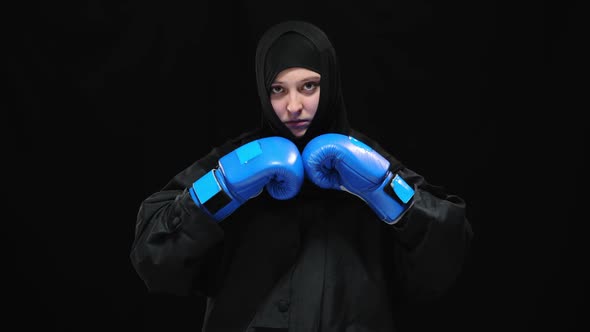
178	249
431	240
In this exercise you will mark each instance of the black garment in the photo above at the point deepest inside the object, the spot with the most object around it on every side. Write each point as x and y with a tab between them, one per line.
325	253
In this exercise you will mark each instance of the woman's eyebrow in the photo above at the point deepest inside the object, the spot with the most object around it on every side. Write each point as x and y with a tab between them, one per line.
310	78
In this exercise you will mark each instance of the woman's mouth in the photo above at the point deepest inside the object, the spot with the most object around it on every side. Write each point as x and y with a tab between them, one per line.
297	124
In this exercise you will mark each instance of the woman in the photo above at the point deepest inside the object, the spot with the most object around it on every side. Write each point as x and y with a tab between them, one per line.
329	240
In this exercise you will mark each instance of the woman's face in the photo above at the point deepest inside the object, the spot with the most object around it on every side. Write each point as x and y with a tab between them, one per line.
295	95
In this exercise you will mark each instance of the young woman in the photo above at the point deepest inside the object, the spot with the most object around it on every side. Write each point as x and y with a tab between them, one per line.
304	224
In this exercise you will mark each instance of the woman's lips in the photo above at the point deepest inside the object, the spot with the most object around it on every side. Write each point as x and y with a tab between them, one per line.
297	124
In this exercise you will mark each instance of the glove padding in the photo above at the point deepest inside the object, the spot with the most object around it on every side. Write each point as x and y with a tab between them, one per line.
336	161
273	163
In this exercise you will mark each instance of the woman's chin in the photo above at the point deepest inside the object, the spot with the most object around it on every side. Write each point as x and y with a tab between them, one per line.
298	132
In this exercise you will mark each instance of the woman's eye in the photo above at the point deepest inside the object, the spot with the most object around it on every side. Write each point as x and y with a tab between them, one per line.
310	86
276	89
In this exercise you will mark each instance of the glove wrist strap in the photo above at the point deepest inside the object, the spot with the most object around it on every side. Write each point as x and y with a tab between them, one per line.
399	190
392	199
211	196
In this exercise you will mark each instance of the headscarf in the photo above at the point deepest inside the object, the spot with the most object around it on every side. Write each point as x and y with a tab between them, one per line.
300	44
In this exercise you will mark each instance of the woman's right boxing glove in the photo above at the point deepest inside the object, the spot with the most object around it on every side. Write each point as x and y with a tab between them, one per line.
271	162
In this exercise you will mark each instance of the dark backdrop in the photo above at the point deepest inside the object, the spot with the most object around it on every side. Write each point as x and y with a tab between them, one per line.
116	98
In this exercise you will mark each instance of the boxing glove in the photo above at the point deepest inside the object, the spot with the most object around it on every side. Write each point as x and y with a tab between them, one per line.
273	163
336	161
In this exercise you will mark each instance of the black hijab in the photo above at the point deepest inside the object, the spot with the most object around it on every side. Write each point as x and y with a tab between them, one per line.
300	44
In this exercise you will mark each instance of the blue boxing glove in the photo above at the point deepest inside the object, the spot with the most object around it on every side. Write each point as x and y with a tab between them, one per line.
271	162
335	161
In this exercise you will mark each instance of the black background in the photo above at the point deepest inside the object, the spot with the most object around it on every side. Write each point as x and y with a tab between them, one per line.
116	98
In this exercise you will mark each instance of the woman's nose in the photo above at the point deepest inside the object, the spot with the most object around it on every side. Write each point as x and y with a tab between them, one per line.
294	104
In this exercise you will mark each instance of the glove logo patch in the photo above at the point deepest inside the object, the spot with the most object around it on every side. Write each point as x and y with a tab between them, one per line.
248	151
